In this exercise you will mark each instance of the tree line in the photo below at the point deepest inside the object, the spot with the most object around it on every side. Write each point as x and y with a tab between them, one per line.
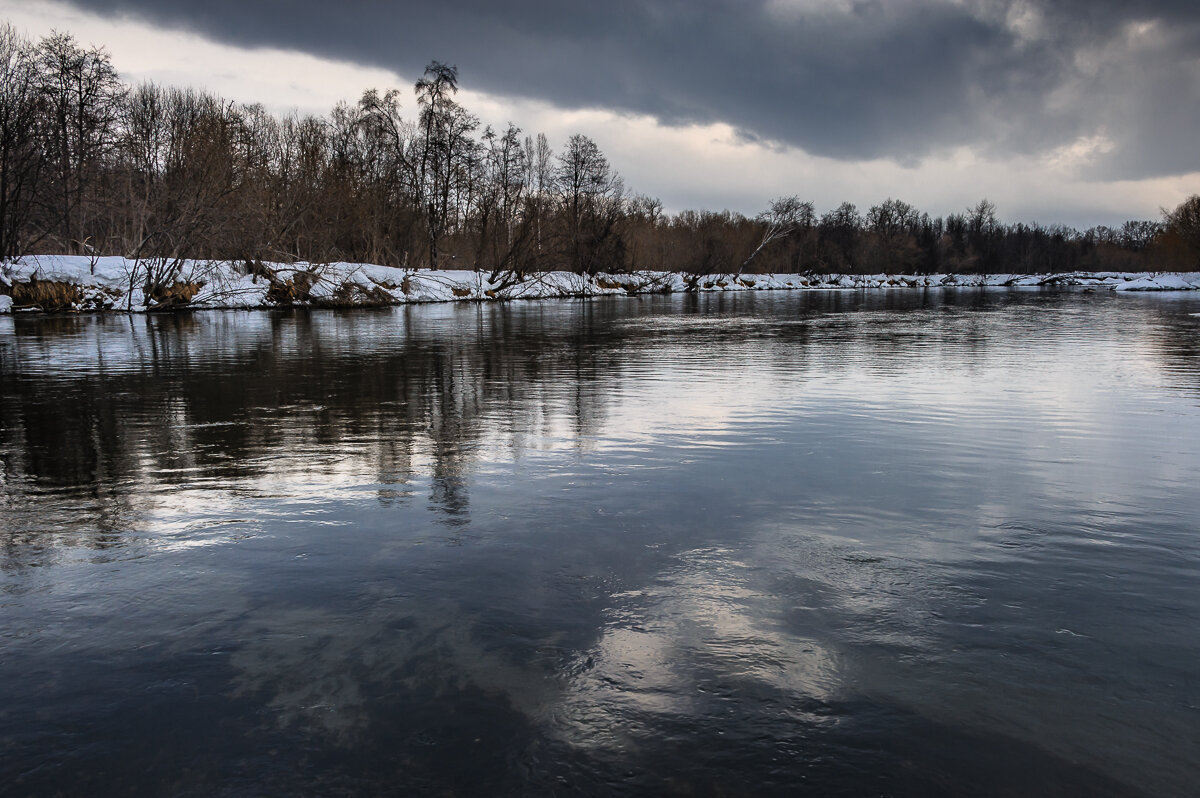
90	165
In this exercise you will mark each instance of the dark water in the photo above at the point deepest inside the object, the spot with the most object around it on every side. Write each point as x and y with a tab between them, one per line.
941	543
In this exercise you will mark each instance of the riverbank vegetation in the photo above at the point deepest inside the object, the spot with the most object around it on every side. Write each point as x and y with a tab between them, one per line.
92	166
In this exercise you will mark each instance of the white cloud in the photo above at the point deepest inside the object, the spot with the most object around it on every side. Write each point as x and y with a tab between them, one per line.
280	80
1025	20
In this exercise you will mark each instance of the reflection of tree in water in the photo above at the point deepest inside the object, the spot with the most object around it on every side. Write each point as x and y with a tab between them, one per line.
65	461
453	404
105	409
1175	338
100	410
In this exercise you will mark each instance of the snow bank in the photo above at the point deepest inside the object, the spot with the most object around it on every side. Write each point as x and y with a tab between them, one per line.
61	282
1162	282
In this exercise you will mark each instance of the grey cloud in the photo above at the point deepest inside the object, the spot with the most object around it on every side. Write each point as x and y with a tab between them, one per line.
859	79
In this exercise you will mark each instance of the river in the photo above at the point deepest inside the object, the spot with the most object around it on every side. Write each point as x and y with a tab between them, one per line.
910	542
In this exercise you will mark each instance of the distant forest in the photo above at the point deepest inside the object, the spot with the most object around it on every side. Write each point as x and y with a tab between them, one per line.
90	165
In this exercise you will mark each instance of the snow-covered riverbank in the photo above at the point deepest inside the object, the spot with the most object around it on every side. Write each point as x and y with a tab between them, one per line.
58	282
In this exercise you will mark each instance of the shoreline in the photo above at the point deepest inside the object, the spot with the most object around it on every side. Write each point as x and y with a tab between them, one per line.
74	283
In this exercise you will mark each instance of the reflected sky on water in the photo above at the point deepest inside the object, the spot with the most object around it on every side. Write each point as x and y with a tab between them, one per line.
906	543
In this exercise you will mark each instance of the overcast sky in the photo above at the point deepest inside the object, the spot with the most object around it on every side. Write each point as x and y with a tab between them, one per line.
1075	111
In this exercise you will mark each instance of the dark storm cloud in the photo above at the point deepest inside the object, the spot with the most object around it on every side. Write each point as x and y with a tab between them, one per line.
849	79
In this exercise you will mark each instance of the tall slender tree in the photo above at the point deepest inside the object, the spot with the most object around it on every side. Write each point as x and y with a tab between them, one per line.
445	129
21	155
83	93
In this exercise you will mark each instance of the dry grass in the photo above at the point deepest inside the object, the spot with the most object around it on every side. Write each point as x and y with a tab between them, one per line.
350	294
174	295
47	295
461	291
298	288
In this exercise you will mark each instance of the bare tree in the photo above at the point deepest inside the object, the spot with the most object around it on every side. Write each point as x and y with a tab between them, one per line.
539	177
891	218
296	187
21	156
840	230
981	219
83	93
503	233
784	217
445	128
143	148
1183	231
195	211
590	197
380	156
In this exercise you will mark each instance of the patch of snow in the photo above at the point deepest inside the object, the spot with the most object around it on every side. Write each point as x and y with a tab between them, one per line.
5	304
1162	282
227	290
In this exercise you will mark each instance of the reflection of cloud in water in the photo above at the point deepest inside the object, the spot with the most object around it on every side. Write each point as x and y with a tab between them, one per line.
696	642
689	645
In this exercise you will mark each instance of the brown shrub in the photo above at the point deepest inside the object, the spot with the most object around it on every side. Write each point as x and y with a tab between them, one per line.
297	288
175	294
101	298
350	294
47	295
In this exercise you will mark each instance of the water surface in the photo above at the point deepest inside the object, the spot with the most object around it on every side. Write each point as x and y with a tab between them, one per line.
914	543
